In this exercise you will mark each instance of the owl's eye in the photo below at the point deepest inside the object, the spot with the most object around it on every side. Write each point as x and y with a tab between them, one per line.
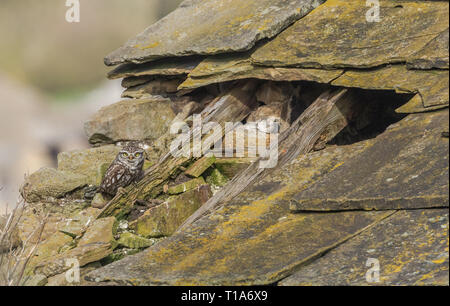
124	154
137	154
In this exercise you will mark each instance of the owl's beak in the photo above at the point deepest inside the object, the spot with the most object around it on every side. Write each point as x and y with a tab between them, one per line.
130	157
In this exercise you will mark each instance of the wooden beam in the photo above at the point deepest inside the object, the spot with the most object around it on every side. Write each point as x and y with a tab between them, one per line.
232	106
323	119
200	166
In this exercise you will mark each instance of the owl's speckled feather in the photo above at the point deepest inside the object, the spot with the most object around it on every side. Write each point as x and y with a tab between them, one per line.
124	170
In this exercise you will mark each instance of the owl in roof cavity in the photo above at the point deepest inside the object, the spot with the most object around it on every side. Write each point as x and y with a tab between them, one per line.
124	170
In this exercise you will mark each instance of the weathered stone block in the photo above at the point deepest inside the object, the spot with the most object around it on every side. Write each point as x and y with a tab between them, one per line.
51	183
406	168
101	231
309	43
411	248
186	186
200	166
89	162
79	222
145	119
216	178
218	27
132	241
153	87
233	165
51	247
165	218
96	243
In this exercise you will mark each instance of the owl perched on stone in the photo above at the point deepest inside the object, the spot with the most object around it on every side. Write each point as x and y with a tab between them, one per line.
124	170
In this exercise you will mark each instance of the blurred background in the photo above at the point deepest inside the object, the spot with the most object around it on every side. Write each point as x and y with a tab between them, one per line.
52	76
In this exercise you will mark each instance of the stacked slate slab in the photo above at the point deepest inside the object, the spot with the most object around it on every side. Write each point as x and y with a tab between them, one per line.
361	175
384	197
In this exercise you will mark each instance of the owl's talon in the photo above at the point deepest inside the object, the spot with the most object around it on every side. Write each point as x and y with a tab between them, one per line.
121	191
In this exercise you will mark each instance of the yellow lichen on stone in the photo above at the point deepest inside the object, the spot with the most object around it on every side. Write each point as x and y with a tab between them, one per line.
216	26
151	45
263	226
223	68
403	245
337	34
432	86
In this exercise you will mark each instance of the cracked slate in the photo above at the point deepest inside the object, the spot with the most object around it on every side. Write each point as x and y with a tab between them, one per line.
215	26
253	239
337	35
432	85
229	67
406	167
167	66
411	248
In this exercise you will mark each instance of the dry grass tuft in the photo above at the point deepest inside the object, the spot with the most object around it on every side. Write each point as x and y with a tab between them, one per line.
15	254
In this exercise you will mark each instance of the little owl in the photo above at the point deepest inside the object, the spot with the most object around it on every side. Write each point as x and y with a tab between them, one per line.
124	170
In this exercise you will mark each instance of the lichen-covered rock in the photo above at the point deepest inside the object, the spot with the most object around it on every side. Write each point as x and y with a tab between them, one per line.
165	218
433	55
30	223
432	86
218	26
145	119
311	42
136	80
51	183
167	66
186	186
236	66
407	168
62	207
233	165
101	231
255	239
99	201
36	280
61	279
239	250
54	245
411	248
132	241
200	166
79	222
296	55
216	178
153	87
14	239
88	162
118	254
97	243
84	254
72	224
